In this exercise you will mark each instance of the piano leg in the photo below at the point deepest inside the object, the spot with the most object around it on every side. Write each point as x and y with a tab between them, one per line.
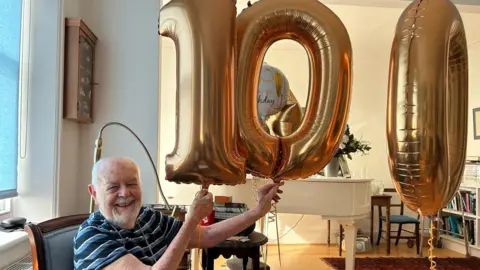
350	229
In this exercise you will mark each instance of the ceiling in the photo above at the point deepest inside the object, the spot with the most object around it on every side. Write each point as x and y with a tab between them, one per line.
460	2
392	2
471	6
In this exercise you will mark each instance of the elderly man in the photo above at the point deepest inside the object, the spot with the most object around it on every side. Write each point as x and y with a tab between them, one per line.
123	234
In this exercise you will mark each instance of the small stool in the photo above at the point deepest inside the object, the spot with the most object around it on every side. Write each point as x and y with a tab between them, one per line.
243	250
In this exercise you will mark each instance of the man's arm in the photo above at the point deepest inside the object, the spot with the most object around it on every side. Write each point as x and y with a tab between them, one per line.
170	260
127	262
214	234
175	251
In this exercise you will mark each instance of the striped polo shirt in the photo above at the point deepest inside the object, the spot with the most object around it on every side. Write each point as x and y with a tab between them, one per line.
98	243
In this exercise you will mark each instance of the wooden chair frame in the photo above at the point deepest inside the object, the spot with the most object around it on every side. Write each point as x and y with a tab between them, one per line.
36	234
416	233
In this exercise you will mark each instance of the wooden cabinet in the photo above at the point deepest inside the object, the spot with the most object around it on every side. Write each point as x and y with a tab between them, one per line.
79	71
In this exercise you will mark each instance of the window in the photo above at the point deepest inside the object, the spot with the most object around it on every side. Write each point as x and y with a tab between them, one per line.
10	33
4	206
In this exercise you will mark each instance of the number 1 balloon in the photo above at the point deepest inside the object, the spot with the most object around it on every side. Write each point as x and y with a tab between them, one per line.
205	136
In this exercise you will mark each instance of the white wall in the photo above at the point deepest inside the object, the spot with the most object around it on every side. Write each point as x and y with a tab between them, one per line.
371	52
127	74
55	174
70	144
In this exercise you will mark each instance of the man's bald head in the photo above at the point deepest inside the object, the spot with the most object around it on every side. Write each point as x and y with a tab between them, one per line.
109	167
116	188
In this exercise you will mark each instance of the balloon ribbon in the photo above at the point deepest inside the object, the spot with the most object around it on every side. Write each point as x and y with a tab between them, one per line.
431	256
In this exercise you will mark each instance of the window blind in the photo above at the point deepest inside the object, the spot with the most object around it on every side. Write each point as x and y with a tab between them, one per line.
10	33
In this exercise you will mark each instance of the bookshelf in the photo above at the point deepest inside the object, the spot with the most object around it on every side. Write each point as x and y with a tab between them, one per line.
452	237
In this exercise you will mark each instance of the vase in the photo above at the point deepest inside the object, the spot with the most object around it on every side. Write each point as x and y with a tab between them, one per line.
377	187
332	168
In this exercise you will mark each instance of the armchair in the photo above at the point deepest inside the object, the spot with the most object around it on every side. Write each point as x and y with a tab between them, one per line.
51	242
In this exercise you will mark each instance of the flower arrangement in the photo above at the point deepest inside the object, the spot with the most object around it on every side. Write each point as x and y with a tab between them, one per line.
350	145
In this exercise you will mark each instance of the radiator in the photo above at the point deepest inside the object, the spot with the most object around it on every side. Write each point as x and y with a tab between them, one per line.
23	264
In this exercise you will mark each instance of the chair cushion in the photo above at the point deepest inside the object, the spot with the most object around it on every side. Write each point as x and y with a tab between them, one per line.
58	247
401	219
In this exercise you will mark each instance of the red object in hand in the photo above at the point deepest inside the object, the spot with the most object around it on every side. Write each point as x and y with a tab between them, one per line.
208	220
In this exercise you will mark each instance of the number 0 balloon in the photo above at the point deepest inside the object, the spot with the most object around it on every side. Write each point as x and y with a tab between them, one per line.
308	149
428	105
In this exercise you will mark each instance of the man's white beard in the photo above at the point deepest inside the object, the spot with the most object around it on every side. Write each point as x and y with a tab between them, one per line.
126	219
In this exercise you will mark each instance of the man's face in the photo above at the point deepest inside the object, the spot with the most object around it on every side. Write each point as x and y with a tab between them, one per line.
118	192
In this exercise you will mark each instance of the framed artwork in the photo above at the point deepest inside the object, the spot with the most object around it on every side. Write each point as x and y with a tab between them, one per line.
345	171
79	69
476	123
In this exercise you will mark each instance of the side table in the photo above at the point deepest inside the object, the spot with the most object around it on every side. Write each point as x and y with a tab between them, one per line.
243	250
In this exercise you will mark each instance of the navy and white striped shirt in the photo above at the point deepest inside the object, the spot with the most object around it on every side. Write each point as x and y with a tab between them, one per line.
99	243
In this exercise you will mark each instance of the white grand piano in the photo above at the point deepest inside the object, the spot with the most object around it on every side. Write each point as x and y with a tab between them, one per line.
345	200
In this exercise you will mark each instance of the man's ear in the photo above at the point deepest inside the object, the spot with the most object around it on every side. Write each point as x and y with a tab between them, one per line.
93	192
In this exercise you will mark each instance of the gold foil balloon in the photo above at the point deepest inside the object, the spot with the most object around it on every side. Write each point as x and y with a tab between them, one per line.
205	145
291	98
287	120
272	92
322	34
428	105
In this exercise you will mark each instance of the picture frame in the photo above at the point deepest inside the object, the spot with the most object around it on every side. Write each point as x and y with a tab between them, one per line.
79	79
344	169
476	124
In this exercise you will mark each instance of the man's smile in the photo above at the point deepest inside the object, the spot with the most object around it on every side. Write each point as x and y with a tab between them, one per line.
124	204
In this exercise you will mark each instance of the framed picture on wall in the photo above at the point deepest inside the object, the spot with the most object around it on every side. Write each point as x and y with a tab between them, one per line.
79	70
345	170
476	123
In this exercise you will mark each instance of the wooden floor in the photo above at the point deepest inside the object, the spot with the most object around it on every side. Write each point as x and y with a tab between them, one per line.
296	257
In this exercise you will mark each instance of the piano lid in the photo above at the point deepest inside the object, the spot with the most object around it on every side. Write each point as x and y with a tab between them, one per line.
331	198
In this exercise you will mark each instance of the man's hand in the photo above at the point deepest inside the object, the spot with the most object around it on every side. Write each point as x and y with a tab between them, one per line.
218	232
265	196
201	206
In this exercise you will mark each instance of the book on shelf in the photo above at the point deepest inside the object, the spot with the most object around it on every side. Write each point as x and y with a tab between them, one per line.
469	201
453	226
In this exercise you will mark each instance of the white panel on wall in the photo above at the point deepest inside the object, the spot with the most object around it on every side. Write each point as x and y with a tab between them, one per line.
127	73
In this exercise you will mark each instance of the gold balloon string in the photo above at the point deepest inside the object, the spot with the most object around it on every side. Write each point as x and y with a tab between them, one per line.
272	214
431	256
255	188
271	217
264	249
